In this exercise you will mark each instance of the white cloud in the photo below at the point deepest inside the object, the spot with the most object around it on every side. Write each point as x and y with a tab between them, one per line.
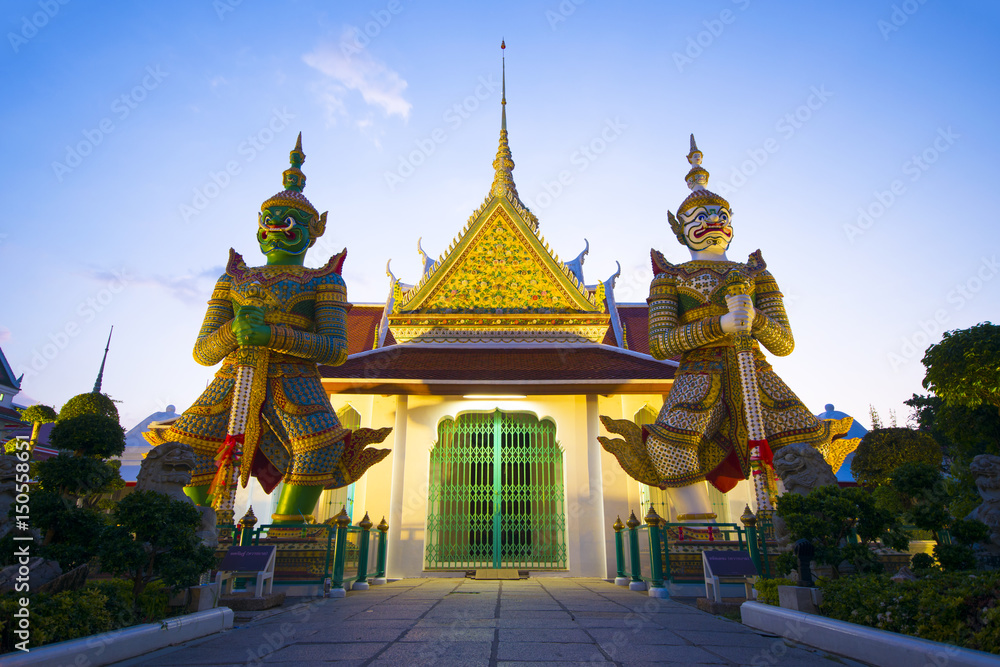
351	68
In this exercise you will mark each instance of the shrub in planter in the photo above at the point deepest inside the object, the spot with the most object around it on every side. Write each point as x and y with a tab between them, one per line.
961	608
99	607
59	617
767	589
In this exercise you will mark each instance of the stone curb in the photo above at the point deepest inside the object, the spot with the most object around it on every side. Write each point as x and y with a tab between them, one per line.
879	647
117	645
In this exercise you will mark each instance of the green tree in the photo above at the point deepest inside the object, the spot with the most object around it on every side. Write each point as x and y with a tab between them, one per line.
152	537
883	450
963	434
924	499
843	525
36	415
72	488
963	368
89	404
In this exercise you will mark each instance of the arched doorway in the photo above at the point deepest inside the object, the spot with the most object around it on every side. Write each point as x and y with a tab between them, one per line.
496	496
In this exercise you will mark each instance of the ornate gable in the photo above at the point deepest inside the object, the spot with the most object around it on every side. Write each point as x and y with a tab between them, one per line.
499	282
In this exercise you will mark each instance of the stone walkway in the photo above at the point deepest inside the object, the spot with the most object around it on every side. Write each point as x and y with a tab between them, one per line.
470	623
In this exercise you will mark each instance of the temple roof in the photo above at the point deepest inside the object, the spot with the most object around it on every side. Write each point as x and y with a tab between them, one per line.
435	368
499	280
7	378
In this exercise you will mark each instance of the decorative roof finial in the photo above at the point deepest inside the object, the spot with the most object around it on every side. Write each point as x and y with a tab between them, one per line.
503	182
100	373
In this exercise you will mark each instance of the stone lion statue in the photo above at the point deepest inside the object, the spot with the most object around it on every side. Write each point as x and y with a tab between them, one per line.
986	468
167	469
801	468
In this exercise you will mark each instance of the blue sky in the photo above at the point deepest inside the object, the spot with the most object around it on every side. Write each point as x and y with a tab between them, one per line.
856	142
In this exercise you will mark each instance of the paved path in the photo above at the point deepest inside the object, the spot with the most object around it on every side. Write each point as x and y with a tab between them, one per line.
470	623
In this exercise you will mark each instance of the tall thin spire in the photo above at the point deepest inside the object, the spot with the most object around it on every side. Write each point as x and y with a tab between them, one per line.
503	86
100	373
503	182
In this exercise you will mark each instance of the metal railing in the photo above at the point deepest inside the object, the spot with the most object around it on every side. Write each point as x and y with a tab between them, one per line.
347	560
751	538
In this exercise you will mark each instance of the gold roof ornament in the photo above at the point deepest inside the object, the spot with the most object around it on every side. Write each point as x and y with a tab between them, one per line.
498	280
632	521
365	523
618	525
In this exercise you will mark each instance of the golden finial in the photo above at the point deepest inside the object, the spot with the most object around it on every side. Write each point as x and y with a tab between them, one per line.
632	521
382	526
365	523
652	518
342	519
748	518
249	520
618	525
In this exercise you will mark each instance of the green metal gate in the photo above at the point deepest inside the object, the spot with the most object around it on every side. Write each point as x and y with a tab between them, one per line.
495	497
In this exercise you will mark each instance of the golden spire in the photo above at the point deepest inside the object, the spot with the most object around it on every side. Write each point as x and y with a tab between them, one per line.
503	182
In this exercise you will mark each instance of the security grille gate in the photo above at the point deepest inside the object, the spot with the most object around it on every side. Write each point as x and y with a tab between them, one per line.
495	497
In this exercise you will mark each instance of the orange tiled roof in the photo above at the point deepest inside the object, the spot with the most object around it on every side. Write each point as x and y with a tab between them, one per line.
635	318
362	320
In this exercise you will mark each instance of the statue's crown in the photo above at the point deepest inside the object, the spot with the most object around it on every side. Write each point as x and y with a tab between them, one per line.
294	181
697	179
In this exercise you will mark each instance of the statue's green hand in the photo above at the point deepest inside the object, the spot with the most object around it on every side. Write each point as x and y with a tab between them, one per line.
249	328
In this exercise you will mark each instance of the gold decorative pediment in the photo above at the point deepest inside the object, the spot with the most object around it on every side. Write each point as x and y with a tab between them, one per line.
499	266
500	270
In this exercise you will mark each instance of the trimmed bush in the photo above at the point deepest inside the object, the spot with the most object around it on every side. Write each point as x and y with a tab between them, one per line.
98	607
767	589
961	608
